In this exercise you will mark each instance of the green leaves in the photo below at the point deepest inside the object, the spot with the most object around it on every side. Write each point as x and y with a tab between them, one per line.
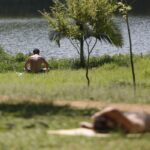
124	9
76	19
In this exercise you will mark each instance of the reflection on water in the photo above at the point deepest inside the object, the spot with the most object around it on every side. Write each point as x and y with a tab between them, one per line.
23	35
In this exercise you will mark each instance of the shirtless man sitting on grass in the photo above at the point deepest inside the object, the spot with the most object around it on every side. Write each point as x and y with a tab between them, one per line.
35	62
110	119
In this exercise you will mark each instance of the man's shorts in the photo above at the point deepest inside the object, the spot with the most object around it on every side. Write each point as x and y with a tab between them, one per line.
43	70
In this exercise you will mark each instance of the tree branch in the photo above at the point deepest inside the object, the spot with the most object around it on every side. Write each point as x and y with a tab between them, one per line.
93	46
76	47
88	45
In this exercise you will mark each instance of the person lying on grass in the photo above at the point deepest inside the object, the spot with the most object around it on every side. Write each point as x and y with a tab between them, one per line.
35	62
111	119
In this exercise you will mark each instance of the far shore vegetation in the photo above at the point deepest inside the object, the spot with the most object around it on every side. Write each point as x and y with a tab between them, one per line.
29	8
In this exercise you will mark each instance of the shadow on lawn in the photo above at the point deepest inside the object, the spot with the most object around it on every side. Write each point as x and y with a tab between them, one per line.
30	109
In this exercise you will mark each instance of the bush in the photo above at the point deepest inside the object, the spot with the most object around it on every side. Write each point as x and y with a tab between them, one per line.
64	63
20	57
4	56
9	62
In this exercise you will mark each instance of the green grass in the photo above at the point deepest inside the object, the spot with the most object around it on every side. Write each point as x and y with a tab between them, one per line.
111	82
24	126
29	113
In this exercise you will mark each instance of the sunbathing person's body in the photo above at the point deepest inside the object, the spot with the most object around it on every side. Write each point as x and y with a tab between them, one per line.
35	62
111	119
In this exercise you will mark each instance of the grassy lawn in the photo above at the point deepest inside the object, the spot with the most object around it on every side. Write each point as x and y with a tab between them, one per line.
111	82
28	113
24	127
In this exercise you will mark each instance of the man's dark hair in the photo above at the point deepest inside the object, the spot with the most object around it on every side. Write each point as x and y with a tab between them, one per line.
36	51
100	125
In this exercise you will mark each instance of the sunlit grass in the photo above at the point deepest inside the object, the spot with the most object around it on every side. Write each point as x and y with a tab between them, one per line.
110	82
111	79
24	126
25	119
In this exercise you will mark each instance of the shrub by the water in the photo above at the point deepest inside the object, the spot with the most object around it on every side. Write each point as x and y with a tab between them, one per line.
16	63
11	63
20	57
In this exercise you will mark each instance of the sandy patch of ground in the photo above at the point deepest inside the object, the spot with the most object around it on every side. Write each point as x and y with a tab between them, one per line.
83	104
99	105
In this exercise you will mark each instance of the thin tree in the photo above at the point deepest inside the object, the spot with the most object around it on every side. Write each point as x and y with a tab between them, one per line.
124	9
82	21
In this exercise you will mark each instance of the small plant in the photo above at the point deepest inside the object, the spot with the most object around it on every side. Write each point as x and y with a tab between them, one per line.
124	9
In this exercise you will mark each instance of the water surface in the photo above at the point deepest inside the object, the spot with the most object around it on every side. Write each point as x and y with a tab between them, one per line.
23	35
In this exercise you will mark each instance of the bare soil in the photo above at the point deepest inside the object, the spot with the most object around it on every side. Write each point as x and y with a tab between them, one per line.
83	104
99	105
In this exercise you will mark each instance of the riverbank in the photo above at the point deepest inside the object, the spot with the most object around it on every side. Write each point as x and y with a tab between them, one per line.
16	62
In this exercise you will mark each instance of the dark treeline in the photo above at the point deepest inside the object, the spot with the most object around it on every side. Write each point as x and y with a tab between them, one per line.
140	6
23	7
31	7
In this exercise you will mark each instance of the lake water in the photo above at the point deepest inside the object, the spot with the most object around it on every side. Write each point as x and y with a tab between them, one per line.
23	35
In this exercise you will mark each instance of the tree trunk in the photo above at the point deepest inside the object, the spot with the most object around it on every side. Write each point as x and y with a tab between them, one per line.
131	55
82	59
87	70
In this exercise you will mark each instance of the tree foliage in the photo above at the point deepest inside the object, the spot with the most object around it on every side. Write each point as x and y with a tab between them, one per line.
75	19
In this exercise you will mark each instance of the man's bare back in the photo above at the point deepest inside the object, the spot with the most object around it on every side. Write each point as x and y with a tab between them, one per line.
111	119
35	62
